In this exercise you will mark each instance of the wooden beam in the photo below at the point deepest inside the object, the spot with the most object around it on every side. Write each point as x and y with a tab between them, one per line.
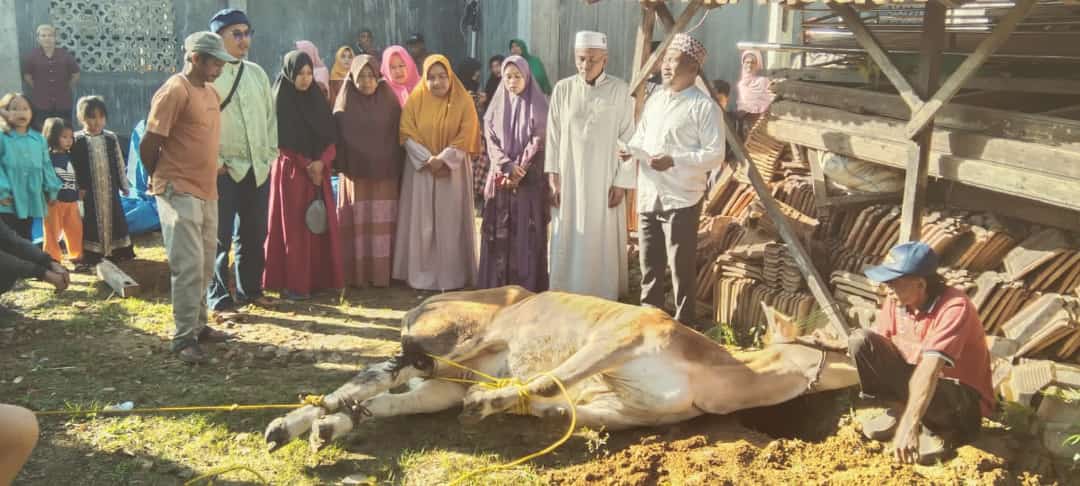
666	18
1007	179
1042	86
1027	127
818	287
1056	161
915	178
921	116
1063	111
873	48
817	175
653	62
120	282
642	50
962	196
855	199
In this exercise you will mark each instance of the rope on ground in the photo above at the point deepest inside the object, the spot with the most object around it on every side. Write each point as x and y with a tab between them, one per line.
314	400
222	470
522	408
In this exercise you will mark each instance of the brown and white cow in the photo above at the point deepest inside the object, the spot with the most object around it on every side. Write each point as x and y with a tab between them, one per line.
624	366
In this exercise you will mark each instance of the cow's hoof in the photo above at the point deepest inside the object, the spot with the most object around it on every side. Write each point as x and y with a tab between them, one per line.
276	435
465	418
321	436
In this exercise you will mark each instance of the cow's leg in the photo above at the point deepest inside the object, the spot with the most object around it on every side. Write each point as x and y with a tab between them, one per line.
373	380
426	396
591	359
610	413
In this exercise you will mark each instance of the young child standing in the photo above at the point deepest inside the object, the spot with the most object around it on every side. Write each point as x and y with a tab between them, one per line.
63	217
101	176
27	178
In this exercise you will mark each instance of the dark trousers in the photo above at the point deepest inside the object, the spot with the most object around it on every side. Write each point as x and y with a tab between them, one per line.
21	226
7	282
953	412
242	210
669	239
40	115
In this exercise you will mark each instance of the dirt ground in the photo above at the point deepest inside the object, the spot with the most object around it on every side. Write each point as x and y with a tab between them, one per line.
86	348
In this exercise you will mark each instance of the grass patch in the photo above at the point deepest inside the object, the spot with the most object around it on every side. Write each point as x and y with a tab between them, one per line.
439	467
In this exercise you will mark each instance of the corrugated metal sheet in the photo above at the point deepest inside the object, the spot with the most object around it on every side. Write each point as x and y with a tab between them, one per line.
333	23
278	23
746	21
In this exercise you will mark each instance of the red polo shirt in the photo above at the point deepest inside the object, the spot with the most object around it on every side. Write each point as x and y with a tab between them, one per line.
52	75
950	329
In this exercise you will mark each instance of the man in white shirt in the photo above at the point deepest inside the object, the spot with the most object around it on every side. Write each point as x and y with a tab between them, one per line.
678	140
590	115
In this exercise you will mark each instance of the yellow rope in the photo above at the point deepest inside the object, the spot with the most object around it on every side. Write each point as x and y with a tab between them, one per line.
223	470
315	400
522	408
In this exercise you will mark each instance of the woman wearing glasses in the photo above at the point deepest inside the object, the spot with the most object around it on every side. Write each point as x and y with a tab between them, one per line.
249	141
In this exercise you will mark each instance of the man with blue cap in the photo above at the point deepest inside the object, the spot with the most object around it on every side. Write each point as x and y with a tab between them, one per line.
926	356
248	148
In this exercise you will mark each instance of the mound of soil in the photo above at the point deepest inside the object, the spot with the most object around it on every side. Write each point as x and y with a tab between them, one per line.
722	451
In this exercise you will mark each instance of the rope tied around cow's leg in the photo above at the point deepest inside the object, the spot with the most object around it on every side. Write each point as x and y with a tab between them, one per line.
521	408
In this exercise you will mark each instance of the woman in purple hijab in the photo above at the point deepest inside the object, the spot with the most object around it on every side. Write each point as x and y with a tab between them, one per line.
513	248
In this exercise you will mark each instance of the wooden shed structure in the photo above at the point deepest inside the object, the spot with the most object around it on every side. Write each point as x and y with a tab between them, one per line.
977	102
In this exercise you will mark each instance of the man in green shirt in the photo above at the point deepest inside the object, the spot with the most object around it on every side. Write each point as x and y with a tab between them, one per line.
248	147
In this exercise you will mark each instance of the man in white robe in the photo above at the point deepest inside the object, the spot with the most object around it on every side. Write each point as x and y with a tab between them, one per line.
591	115
678	140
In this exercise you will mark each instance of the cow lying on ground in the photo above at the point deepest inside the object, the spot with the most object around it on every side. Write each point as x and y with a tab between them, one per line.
624	366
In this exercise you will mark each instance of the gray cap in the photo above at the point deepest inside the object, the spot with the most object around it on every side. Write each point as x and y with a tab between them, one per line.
206	42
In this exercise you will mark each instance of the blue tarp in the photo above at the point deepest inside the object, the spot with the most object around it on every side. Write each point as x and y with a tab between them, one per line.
140	208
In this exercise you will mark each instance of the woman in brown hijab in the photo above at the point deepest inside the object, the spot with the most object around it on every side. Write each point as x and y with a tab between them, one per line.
370	160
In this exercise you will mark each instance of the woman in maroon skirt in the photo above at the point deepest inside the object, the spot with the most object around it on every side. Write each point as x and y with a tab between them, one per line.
298	260
370	159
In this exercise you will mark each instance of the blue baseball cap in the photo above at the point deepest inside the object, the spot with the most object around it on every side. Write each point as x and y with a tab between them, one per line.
912	258
226	17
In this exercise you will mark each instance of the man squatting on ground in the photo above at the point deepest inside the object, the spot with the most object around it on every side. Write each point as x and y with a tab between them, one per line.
926	357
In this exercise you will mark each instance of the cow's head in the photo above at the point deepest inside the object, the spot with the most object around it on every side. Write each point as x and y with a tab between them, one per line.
453	325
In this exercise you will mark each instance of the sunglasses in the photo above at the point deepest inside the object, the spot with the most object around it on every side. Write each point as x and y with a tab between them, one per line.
240	35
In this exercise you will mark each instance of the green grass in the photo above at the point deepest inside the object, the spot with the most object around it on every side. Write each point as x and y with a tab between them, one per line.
438	467
86	348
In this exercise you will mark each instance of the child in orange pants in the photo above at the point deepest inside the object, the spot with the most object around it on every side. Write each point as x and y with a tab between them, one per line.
63	216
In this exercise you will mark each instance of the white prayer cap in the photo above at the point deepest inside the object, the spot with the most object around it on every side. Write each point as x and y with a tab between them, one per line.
587	39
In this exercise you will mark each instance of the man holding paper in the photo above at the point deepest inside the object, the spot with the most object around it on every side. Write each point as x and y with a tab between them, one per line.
678	140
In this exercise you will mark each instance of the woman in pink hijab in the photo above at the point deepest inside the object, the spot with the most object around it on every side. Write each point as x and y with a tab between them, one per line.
754	96
399	72
322	74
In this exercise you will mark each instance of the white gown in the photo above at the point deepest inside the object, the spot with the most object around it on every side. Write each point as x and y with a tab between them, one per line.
588	239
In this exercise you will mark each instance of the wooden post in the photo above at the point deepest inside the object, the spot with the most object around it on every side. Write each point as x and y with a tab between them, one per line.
653	62
915	178
817	285
642	50
666	18
922	116
868	41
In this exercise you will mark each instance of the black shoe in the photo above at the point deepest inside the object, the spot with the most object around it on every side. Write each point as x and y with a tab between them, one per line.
210	335
192	355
